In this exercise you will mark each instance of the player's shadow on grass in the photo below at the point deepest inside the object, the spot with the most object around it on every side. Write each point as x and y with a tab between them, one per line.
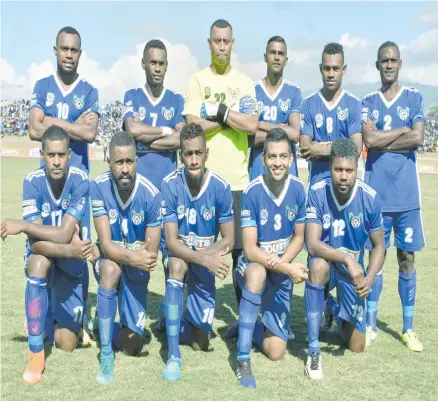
385	328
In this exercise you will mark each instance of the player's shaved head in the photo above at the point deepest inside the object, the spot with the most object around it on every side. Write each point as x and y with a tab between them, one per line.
385	45
276	135
121	139
333	48
221	24
154	44
70	31
345	148
55	133
278	39
190	132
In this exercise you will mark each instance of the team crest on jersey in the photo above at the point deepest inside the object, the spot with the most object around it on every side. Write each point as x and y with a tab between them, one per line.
79	101
137	218
180	211
50	98
284	105
168	113
319	119
113	216
403	113
342	114
355	220
263	216
45	210
376	115
233	93
291	213
65	203
259	106
326	221
142	113
207	213
207	92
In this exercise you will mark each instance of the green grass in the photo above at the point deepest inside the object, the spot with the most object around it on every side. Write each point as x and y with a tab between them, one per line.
385	371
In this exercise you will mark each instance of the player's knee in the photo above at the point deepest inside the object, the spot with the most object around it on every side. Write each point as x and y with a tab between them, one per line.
65	339
131	343
177	268
109	273
406	261
357	347
319	271
200	340
276	354
255	277
38	266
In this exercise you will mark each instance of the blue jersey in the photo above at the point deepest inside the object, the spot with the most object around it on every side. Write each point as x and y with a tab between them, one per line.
128	221
275	109
394	174
345	227
166	111
54	101
275	218
326	123
197	216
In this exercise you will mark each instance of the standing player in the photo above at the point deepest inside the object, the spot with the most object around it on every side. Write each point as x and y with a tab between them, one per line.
197	203
342	212
54	199
393	128
227	100
328	114
279	103
152	115
127	217
273	213
69	101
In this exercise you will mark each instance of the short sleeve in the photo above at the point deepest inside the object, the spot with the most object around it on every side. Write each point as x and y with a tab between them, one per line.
417	109
296	101
355	120
92	101
31	204
366	110
38	96
168	204
128	107
193	100
313	209
307	124
248	215
97	200
375	217
78	202
153	212
179	110
301	214
226	206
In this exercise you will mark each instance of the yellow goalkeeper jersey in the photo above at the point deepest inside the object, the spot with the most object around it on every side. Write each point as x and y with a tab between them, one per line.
228	148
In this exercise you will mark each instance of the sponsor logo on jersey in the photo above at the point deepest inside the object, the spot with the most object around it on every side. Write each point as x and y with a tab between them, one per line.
29	202
278	246
50	98
65	203
342	114
197	242
142	113
365	114
376	115
319	119
263	216
403	113
355	220
167	113
284	105
180	211
233	93
127	108
207	92
326	221
259	106
28	210
79	101
80	205
245	213
97	203
113	215
45	210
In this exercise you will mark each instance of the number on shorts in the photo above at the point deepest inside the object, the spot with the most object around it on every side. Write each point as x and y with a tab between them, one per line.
409	232
387	120
338	228
141	319
277	219
358	312
77	311
208	316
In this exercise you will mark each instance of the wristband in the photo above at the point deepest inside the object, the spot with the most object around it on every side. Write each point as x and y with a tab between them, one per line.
166	131
222	112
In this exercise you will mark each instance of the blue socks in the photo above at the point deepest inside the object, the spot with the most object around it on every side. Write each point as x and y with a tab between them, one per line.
248	311
173	310
407	288
36	310
314	302
106	309
372	301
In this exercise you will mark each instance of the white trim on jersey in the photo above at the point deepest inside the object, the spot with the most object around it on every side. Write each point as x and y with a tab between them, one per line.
370	191
419	198
391	103
174	174
346	204
278	201
147	184
72	87
275	95
202	190
35	174
151	101
351	95
102	177
82	173
219	178
63	189
254	182
331	107
131	197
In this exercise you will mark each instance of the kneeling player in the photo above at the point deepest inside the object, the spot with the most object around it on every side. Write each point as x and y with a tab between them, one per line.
342	211
127	217
273	214
54	199
195	202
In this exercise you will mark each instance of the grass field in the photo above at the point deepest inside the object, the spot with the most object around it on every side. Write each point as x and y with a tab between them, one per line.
386	371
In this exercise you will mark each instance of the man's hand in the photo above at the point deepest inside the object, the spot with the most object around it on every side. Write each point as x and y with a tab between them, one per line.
272	259
11	227
209	111
356	271
85	117
216	263
363	289
95	254
144	259
80	249
314	151
298	272
371	124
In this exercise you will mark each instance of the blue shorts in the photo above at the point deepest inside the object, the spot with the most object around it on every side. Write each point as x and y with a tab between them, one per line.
276	299
201	295
408	230
132	296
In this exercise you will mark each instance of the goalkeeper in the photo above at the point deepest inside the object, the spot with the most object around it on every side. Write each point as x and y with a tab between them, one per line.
222	101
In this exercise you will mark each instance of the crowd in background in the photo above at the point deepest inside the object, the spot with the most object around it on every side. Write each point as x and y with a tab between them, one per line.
15	117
